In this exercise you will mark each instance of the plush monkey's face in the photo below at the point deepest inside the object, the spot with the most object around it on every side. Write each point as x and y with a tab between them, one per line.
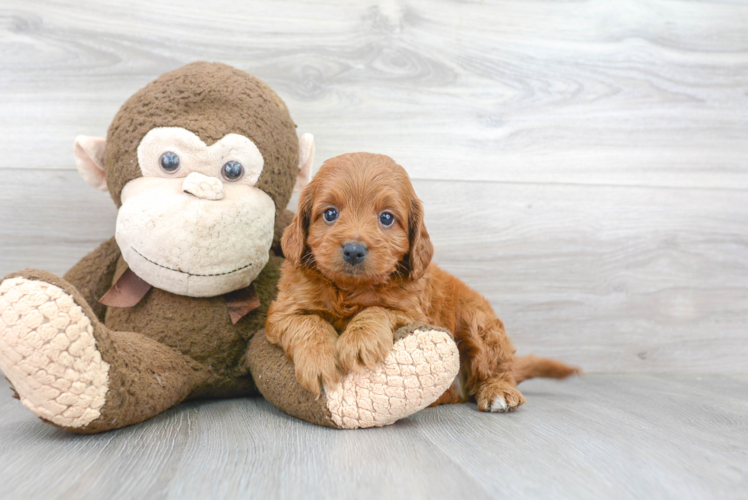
195	223
194	218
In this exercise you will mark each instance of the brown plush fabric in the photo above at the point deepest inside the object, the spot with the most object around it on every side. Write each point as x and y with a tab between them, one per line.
93	275
404	331
145	377
201	328
210	100
168	347
185	348
276	380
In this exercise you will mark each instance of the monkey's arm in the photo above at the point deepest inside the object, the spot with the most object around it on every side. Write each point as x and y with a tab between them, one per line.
93	275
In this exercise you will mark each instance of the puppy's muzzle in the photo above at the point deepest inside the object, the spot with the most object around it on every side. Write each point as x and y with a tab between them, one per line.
354	253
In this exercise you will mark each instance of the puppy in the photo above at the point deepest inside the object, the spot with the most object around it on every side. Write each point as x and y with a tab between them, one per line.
358	266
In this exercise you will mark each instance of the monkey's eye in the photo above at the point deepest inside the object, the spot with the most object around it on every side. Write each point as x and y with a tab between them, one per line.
232	171
330	215
169	162
386	219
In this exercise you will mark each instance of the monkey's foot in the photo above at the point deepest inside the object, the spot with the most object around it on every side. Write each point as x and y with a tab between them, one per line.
422	365
48	352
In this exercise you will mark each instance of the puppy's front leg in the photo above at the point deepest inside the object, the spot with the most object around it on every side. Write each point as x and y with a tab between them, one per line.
368	338
309	341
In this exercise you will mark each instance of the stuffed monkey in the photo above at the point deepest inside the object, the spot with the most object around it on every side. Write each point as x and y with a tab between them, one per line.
201	164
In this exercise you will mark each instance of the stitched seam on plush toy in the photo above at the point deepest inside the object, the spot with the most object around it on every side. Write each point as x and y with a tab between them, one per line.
184	272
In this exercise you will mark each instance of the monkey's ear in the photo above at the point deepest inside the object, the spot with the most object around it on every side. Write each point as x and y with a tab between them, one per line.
421	249
306	158
293	241
89	159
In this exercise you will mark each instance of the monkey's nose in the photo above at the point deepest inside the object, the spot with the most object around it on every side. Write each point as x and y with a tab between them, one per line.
203	186
354	253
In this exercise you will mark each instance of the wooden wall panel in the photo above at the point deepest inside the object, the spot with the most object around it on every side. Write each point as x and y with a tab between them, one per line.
583	164
612	278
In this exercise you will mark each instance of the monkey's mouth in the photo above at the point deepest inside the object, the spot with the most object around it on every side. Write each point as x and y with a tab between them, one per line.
188	273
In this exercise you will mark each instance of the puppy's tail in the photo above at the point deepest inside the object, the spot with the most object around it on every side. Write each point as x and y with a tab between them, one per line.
533	366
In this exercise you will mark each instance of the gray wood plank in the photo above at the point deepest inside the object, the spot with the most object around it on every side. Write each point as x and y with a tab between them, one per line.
614	279
50	224
636	436
653	435
624	93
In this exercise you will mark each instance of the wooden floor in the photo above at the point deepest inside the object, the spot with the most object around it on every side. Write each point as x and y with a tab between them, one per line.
602	436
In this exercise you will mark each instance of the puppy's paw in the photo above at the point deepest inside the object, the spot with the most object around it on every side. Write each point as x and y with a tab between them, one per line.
316	368
499	397
363	347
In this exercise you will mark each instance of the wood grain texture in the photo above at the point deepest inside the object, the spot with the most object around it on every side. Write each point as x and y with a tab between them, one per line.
584	164
617	437
594	92
612	279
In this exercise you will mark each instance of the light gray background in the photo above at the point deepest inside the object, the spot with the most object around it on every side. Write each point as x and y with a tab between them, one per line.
583	164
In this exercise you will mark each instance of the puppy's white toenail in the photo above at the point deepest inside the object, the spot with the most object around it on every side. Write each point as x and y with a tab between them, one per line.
498	405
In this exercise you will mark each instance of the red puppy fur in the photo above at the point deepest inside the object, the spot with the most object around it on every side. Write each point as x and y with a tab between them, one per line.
358	266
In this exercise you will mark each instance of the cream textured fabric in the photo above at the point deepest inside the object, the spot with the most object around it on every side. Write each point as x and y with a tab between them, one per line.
196	156
202	186
192	246
414	374
48	352
189	232
306	161
89	160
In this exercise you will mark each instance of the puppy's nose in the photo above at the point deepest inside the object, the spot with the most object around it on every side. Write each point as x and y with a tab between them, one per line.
354	253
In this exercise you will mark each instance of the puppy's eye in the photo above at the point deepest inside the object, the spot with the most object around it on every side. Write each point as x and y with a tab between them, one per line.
232	171
386	219
330	215
169	162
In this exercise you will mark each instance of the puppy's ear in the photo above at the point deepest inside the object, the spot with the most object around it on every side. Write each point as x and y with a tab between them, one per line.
421	249
293	241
